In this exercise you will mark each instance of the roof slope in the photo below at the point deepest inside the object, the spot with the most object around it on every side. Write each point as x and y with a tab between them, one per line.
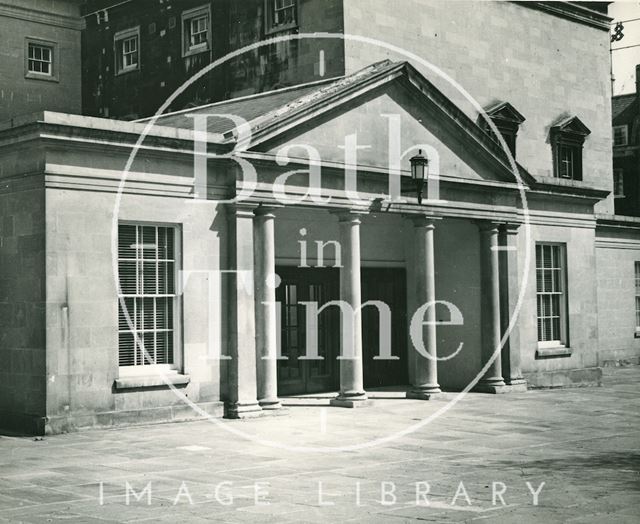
624	108
248	108
271	106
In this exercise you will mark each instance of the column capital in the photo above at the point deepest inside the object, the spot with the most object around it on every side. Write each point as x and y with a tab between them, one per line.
267	210
510	228
349	215
424	220
241	209
488	226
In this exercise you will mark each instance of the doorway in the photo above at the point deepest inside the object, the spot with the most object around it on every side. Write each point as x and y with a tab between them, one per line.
322	285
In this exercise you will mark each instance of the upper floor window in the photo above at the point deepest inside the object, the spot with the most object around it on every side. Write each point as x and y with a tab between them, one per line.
618	182
620	135
281	14
127	50
196	30
567	139
40	59
507	119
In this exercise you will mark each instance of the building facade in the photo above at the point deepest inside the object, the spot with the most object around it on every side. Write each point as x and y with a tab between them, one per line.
40	65
626	151
140	256
136	54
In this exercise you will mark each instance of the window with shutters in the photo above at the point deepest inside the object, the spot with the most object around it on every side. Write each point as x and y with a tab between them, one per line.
551	295
147	301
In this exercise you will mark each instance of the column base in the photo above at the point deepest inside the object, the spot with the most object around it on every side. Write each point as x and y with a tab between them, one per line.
517	385
491	385
238	410
423	392
270	403
351	401
421	395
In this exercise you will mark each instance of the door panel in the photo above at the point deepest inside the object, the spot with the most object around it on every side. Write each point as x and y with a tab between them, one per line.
389	286
321	285
296	376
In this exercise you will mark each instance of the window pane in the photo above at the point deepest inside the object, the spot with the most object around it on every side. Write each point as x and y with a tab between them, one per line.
549	286
141	273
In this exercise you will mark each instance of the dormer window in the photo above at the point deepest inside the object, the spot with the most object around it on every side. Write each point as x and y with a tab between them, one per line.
567	139
507	119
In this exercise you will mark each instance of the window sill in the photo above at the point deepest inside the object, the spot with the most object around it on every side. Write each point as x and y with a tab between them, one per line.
151	381
127	71
280	28
195	51
560	351
41	76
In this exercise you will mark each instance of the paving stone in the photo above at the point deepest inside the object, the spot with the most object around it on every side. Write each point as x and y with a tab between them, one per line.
583	444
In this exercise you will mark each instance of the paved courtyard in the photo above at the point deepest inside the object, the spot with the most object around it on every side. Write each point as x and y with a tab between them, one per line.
481	460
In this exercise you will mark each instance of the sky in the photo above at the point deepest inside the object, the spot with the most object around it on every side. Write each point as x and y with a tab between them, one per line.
625	60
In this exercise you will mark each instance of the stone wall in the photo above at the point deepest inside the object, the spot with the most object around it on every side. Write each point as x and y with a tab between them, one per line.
59	24
546	66
163	68
617	251
22	305
82	311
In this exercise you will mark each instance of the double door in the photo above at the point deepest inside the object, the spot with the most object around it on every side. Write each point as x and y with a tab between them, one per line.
298	286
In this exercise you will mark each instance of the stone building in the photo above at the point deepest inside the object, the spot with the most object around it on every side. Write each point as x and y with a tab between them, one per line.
40	61
171	40
135	289
626	151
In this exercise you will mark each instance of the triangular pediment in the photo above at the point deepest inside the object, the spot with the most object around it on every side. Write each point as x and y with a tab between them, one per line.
572	125
397	105
506	112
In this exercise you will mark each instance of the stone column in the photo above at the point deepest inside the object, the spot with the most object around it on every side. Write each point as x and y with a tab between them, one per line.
425	369
242	395
266	323
509	290
492	381
352	392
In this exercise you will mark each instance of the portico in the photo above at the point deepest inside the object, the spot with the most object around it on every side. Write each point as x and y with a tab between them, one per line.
428	316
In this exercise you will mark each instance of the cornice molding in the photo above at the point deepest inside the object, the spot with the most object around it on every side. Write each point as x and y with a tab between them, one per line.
573	12
42	17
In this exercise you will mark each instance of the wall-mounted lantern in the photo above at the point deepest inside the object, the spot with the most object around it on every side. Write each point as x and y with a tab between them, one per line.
419	172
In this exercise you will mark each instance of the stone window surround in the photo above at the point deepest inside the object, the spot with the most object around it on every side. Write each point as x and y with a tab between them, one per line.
55	60
117	39
186	18
551	349
269	27
159	374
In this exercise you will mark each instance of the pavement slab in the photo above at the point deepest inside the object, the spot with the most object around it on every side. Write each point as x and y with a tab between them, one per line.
564	455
